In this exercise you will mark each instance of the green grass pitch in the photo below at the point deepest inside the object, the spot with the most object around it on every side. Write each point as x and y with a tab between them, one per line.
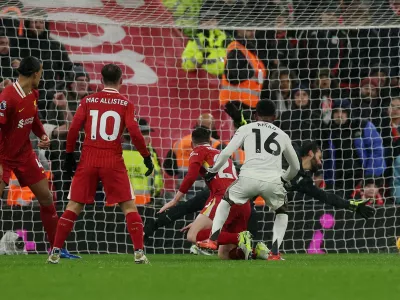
97	277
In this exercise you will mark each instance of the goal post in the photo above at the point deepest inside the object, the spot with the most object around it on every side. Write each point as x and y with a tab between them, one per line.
318	58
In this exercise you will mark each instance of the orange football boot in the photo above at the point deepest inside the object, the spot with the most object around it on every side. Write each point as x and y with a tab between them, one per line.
207	244
272	256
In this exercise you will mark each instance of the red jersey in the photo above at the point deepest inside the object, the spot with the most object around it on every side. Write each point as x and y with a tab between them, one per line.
18	117
105	115
201	158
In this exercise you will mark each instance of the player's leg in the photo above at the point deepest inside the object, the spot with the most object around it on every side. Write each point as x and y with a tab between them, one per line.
82	191
202	222
276	200
238	193
134	225
118	189
32	174
193	205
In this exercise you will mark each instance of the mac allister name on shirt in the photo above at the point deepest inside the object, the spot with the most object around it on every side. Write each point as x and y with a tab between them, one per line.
106	101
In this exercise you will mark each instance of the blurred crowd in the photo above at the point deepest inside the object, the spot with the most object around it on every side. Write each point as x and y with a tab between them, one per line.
339	87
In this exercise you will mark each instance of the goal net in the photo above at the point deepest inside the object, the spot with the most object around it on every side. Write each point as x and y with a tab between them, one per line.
331	67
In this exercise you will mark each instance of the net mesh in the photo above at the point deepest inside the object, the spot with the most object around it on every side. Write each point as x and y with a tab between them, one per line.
318	57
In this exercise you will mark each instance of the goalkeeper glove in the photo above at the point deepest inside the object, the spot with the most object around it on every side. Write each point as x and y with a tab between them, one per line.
360	207
69	164
209	176
149	165
236	114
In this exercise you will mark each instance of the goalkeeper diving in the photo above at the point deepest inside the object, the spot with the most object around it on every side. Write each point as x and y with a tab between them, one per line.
309	155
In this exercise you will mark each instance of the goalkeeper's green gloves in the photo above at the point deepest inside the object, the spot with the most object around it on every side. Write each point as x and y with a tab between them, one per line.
361	207
236	114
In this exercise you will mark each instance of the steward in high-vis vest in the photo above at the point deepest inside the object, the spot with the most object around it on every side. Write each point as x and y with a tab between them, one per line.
206	50
146	188
244	74
185	13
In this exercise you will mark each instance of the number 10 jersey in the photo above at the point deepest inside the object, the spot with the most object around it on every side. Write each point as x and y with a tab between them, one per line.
104	116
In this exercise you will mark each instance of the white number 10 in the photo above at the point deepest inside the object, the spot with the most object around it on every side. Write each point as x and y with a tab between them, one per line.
103	122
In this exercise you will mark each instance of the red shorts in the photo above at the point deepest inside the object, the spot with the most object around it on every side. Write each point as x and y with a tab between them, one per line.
238	216
28	173
116	183
211	206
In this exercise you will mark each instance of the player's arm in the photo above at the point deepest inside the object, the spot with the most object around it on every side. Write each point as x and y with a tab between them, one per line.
306	185
293	160
137	138
187	183
233	145
76	126
7	105
73	133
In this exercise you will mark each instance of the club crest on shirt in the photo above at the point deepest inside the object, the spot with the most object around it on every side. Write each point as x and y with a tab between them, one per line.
3	105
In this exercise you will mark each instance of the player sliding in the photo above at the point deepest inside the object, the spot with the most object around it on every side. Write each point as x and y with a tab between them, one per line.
235	232
261	173
104	116
18	117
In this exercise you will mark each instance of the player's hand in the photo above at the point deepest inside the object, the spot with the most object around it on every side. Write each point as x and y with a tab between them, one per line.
186	228
209	176
235	113
361	208
69	165
168	206
149	165
44	142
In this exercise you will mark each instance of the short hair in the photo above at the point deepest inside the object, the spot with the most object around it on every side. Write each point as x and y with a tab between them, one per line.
201	135
307	146
266	108
111	74
28	66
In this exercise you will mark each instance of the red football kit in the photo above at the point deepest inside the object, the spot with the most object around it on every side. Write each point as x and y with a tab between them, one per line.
18	117
104	116
200	159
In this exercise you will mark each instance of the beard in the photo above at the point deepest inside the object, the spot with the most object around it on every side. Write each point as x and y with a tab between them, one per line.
315	167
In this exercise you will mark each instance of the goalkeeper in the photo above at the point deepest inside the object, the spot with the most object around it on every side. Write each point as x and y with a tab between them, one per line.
310	162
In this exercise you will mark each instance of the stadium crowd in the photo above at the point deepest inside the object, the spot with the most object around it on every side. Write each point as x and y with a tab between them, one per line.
339	87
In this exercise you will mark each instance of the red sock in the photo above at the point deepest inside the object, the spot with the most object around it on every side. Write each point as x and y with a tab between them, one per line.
226	238
236	254
135	229
203	235
64	227
49	217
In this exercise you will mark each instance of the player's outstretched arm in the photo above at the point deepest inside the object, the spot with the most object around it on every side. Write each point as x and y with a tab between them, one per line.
306	186
188	181
235	143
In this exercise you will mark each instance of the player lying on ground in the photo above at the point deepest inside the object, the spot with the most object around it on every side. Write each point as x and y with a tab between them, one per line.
104	116
261	173
235	232
18	117
309	155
